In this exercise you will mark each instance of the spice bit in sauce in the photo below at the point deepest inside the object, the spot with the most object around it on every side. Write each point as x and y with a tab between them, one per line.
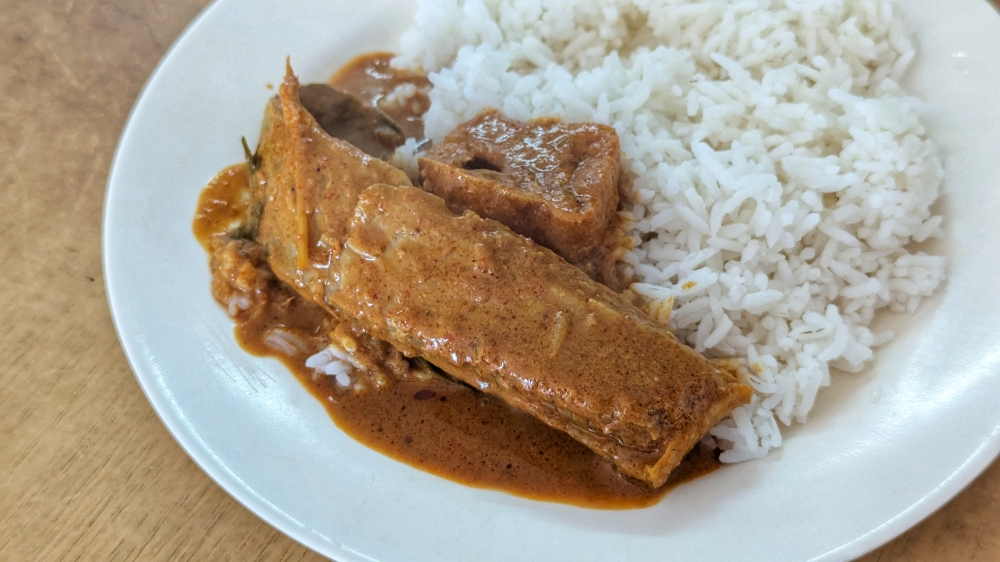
424	394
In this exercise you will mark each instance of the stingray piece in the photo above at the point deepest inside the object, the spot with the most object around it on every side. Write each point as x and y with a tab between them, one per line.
513	319
304	187
479	301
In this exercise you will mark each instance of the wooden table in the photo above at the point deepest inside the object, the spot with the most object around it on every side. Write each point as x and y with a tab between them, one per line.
87	471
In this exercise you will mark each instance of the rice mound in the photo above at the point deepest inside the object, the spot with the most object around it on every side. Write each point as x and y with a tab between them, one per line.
780	171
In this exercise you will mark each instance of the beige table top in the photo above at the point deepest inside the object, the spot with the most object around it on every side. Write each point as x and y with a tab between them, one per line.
87	471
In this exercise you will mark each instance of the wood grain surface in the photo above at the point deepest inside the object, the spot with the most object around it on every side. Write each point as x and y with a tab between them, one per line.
87	471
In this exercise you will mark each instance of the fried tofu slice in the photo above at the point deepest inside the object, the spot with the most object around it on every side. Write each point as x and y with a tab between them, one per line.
556	183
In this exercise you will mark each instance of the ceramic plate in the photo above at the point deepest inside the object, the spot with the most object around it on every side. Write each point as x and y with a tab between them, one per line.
883	449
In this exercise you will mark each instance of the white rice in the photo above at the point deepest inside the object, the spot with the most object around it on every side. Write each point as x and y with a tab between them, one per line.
781	173
334	362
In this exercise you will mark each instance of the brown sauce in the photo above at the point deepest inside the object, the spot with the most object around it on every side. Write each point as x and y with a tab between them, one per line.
372	79
222	203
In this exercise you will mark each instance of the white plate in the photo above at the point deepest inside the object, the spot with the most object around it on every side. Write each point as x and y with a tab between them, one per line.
862	471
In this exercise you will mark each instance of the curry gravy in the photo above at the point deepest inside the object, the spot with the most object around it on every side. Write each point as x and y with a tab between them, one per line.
439	426
372	79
